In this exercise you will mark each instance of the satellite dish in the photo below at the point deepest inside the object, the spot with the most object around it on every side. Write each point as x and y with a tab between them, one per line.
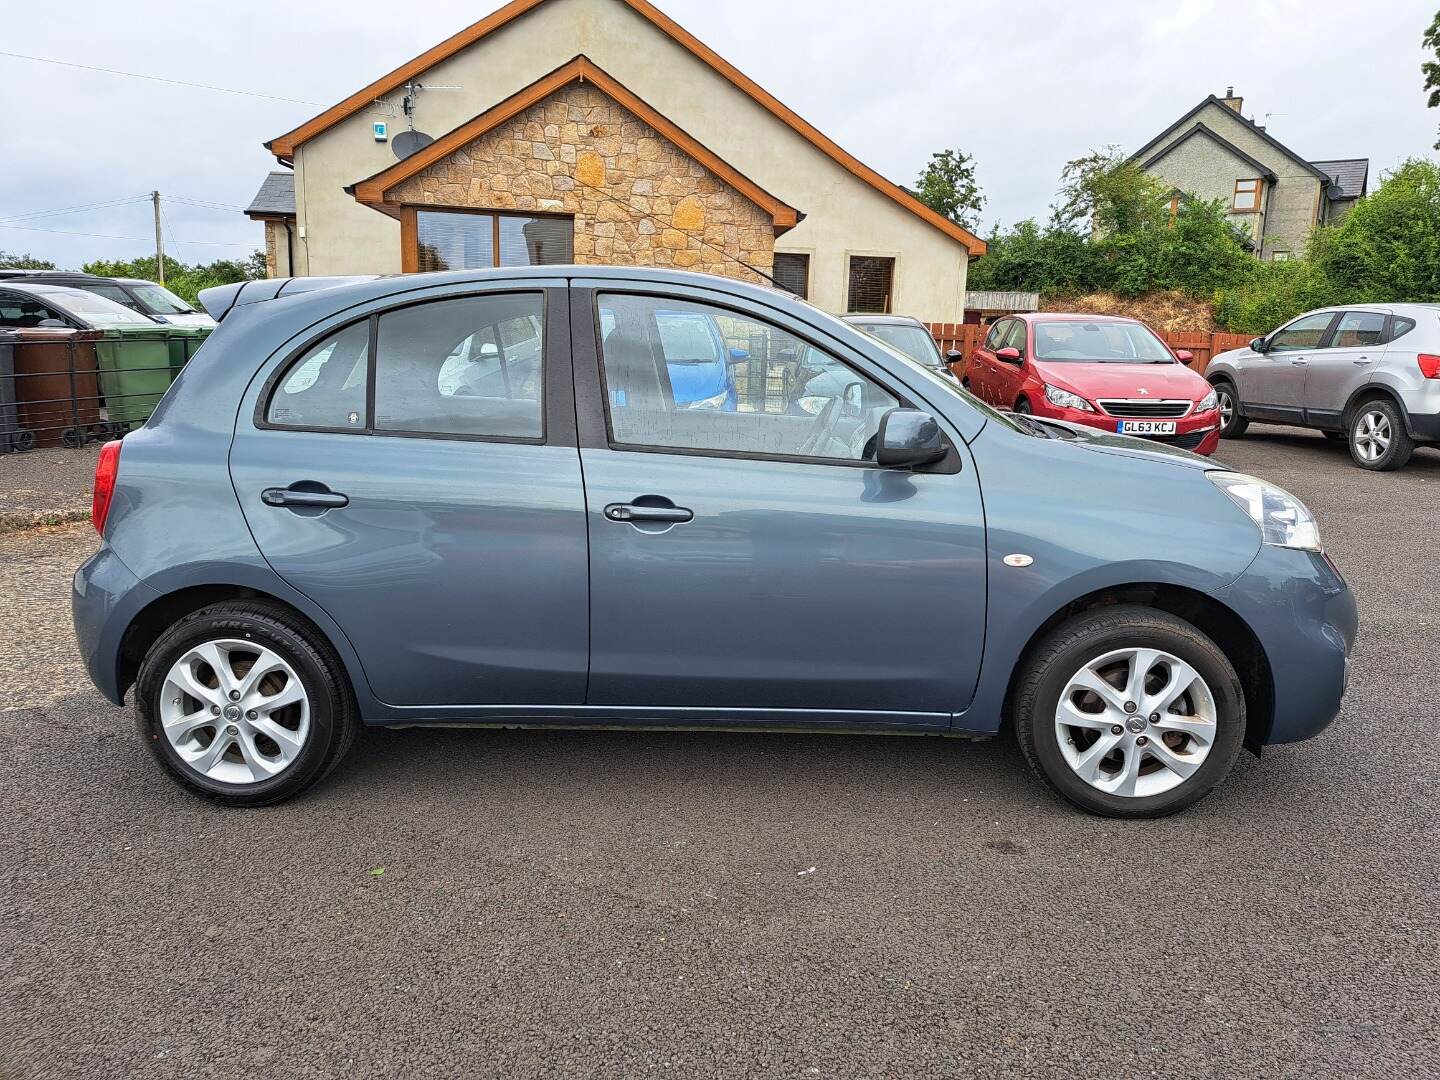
408	142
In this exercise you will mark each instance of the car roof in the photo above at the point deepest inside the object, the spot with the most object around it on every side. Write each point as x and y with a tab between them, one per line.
49	276
883	320
45	288
1060	316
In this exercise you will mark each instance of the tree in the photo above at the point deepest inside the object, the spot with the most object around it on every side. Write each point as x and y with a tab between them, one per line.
184	280
947	185
1110	194
1431	68
15	261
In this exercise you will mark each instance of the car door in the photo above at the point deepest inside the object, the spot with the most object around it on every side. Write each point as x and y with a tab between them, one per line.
1272	386
753	564
414	473
1355	348
981	371
1010	377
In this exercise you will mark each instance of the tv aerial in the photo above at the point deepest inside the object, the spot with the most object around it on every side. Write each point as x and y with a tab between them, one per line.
411	139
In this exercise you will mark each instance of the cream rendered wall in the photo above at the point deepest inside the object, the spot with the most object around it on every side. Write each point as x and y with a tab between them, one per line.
1291	204
844	214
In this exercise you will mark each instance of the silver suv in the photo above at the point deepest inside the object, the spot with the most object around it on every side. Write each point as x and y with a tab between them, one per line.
1367	373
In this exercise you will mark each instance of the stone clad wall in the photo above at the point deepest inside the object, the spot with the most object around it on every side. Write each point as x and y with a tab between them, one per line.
637	198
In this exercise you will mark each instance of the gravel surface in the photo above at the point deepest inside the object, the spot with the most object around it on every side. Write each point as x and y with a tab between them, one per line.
671	905
46	486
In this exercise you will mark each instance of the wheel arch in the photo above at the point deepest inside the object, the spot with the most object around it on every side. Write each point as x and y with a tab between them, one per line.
1231	634
165	611
1373	392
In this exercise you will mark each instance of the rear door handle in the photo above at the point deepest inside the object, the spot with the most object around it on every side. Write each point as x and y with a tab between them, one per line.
293	497
1361	361
634	512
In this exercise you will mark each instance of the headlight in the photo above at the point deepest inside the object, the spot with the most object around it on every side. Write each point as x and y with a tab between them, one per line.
1208	402
1284	520
1066	400
712	403
814	405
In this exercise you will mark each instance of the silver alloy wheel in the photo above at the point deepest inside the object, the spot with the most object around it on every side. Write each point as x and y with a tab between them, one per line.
1227	407
1372	435
1136	722
234	711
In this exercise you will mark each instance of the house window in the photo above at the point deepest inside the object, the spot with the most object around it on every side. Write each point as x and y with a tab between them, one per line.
872	284
1280	256
450	240
1247	196
792	273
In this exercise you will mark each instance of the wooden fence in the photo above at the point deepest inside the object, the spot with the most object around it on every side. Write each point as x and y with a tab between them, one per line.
965	337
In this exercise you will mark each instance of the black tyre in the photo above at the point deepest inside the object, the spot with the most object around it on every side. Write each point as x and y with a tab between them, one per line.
1158	756
22	441
1378	439
1232	423
245	704
1023	407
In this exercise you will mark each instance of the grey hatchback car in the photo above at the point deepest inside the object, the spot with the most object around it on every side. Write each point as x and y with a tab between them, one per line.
1368	374
474	499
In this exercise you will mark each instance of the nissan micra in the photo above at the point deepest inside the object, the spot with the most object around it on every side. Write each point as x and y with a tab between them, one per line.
475	499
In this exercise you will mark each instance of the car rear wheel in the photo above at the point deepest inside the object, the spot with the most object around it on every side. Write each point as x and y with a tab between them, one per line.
1378	439
244	704
1232	424
1129	712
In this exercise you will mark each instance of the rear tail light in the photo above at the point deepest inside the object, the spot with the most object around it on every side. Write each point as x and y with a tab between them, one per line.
106	469
1429	365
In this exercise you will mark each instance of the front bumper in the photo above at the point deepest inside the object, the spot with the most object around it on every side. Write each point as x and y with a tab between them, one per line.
1199	432
1305	618
105	597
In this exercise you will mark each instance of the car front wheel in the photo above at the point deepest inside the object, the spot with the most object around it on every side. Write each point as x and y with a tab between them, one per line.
1129	712
1232	424
245	704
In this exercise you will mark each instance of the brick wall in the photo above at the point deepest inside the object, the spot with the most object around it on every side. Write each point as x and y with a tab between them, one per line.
637	198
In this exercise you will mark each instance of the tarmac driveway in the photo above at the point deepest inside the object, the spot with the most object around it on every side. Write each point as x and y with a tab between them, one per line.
675	905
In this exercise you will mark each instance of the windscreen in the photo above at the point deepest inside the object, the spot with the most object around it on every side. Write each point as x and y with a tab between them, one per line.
95	310
158	298
914	341
1096	341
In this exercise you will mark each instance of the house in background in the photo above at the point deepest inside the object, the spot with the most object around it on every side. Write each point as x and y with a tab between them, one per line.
274	205
600	131
1215	152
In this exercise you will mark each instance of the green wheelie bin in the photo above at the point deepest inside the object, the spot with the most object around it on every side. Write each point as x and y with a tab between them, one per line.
184	340
135	372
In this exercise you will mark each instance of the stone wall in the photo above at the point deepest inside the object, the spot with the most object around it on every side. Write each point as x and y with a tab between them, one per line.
637	198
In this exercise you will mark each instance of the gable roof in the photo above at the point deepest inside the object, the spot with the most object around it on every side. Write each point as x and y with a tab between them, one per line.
371	191
1349	174
276	197
1255	129
1260	168
284	146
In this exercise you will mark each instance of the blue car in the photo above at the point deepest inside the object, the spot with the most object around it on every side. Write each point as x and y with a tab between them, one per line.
489	499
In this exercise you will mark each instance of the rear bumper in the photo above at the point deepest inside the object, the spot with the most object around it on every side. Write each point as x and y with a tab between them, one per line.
1425	428
1305	618
105	597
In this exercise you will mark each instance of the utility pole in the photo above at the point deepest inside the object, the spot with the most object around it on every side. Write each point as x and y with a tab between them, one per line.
159	240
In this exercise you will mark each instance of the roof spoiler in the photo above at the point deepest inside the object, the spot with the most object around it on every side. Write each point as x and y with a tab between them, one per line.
223	299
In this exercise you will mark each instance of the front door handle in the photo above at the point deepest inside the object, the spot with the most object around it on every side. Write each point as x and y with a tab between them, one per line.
636	512
1362	361
1299	361
299	497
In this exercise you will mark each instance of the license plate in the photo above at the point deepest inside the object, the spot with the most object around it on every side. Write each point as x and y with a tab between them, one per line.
1146	427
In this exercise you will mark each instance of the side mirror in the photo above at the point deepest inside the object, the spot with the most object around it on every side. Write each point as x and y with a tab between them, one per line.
1184	355
1257	345
1009	354
908	438
739	356
954	356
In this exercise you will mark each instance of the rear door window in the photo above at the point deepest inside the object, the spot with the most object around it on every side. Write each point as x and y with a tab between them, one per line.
1358	330
325	387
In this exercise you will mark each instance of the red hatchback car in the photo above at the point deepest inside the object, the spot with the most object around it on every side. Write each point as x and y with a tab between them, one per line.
1098	370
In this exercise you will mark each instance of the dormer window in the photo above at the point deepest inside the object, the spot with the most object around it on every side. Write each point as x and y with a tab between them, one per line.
1247	196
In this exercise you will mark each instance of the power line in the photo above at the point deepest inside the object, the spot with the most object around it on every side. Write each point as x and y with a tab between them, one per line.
77	209
159	78
111	236
207	205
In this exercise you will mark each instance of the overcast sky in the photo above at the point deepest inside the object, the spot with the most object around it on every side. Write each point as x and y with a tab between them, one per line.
1023	85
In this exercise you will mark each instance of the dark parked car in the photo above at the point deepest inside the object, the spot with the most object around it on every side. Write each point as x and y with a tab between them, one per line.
317	529
911	337
151	300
